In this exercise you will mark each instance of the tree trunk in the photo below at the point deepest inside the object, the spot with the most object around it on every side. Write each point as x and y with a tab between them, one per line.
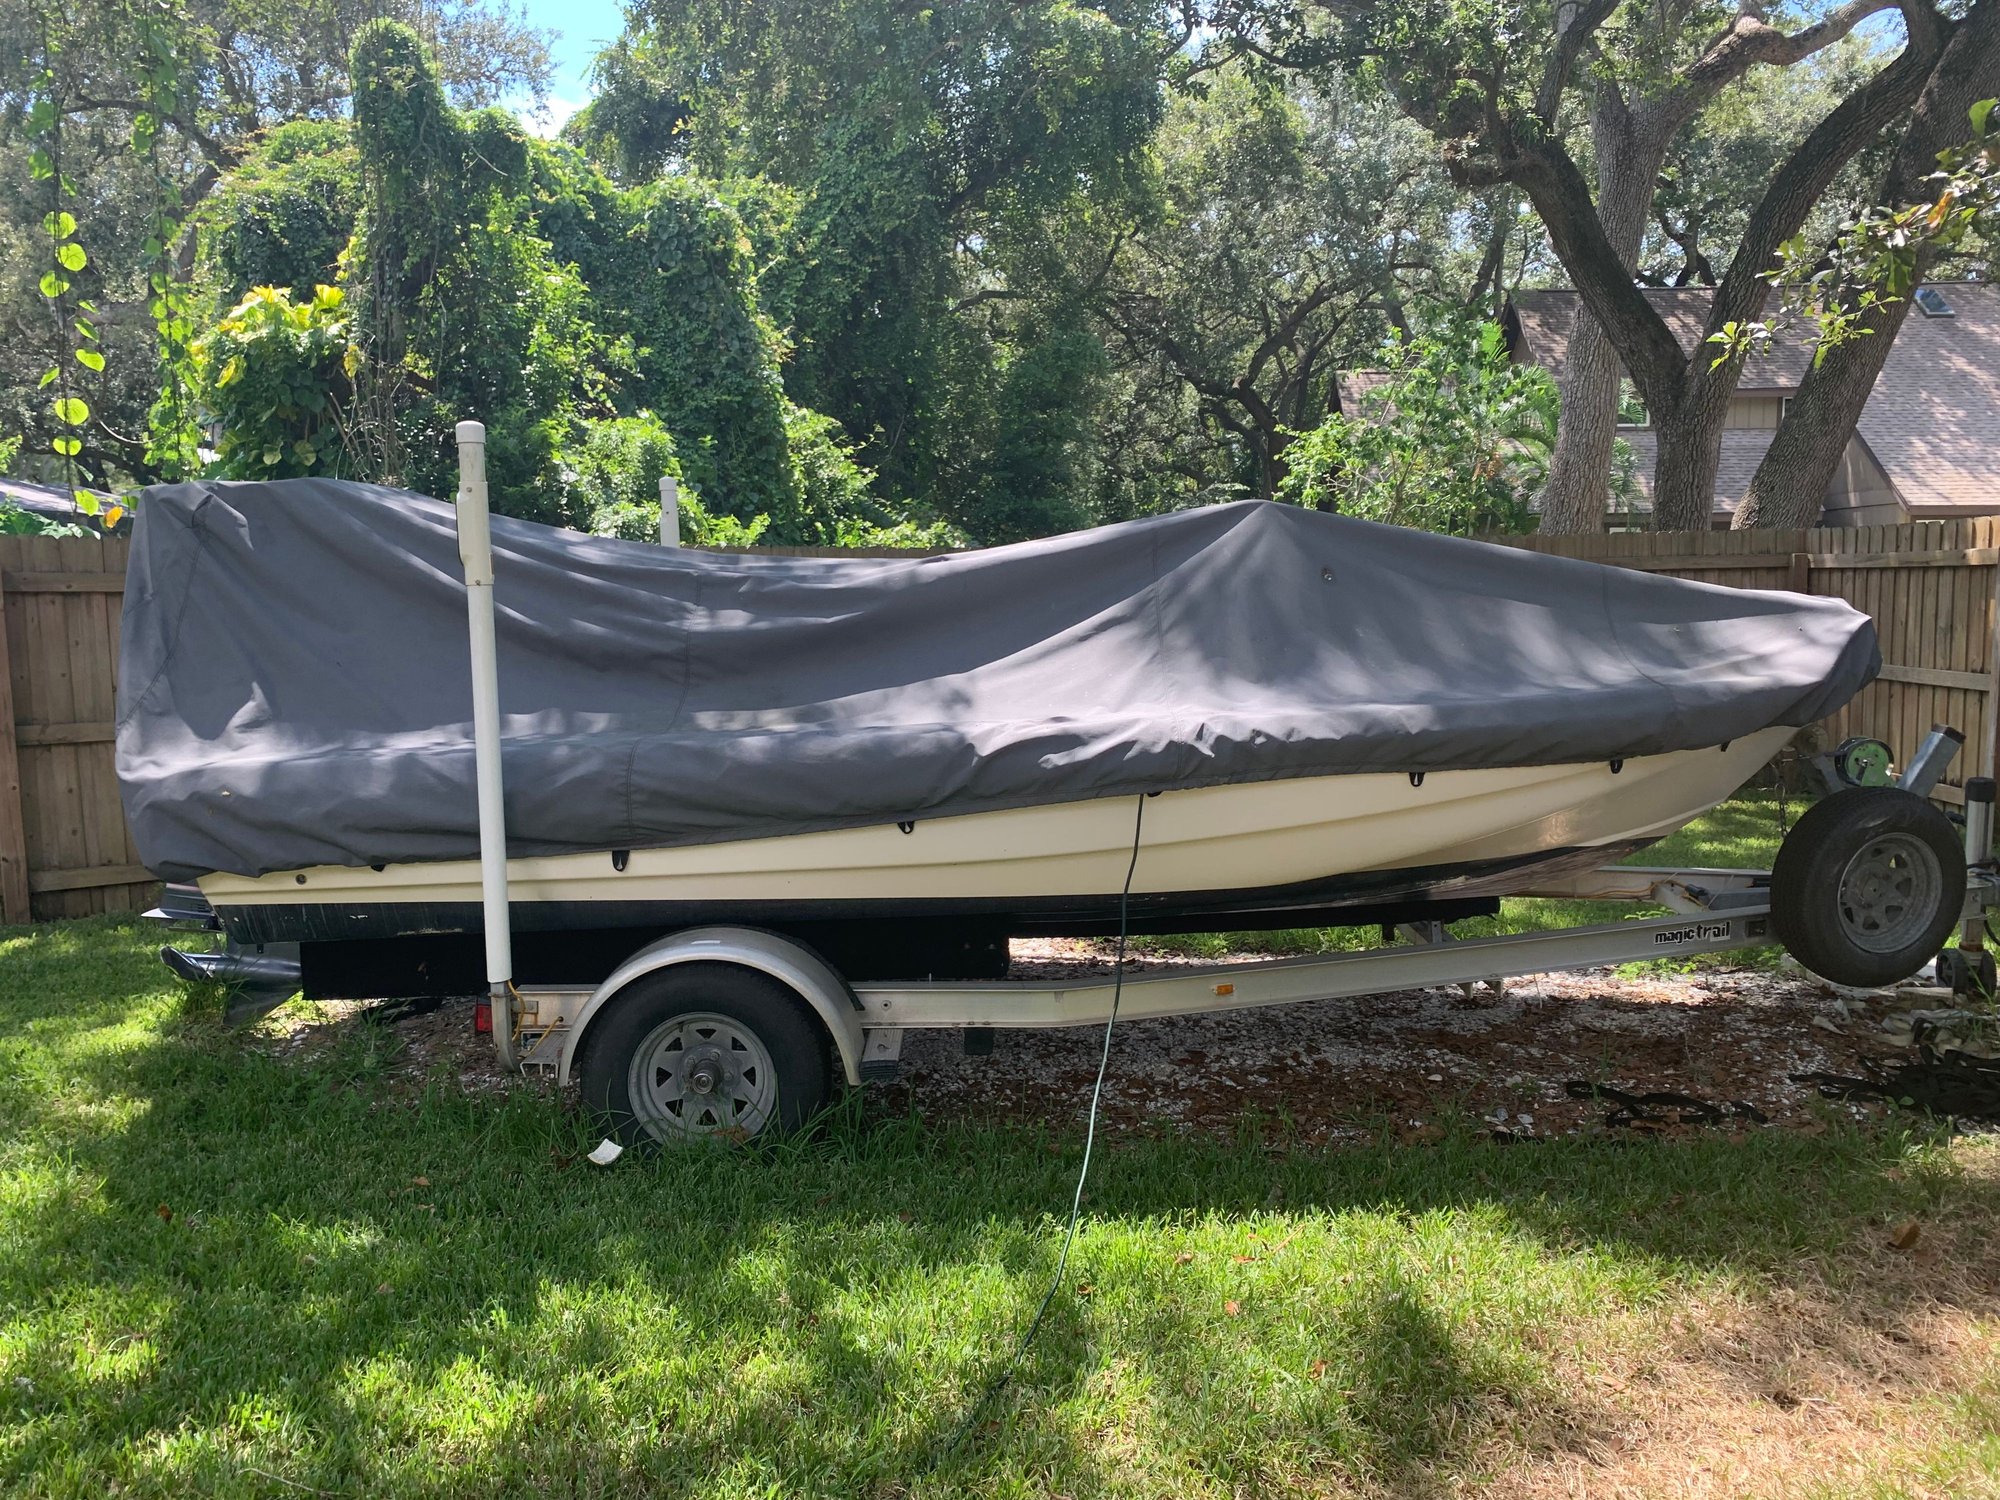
1679	503
1790	486
1628	167
1690	443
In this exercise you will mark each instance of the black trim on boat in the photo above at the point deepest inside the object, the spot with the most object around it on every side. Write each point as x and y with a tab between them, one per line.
880	948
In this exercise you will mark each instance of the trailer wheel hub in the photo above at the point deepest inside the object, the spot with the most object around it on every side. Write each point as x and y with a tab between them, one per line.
1889	891
703	1074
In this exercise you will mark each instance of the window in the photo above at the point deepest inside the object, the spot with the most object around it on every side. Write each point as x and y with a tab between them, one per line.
1930	302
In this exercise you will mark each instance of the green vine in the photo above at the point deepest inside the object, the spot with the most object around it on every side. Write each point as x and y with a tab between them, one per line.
155	30
173	441
73	334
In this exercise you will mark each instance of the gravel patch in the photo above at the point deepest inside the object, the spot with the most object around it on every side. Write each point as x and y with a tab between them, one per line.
1404	1062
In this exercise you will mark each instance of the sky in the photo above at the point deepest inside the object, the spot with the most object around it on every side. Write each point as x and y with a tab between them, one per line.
581	27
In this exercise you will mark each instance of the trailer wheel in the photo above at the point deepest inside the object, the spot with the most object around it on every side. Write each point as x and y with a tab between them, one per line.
1867	886
704	1050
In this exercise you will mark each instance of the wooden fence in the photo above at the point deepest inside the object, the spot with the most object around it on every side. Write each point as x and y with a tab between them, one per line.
1930	586
64	849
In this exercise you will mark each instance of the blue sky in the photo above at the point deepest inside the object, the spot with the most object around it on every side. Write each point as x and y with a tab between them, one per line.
581	28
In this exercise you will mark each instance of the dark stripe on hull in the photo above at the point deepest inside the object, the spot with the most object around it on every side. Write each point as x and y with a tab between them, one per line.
433	948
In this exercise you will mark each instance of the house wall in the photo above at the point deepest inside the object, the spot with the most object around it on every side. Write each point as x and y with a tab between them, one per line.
1760	413
1860	493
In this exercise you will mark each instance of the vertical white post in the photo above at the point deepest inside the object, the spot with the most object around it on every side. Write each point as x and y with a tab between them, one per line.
670	511
475	551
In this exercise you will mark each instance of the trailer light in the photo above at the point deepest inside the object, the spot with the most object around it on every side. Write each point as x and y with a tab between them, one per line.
482	1018
1225	989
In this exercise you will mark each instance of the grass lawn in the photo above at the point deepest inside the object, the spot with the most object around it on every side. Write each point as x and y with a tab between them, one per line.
227	1268
1743	833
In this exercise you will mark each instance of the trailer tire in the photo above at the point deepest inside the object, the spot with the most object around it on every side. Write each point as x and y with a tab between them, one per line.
704	1051
1867	886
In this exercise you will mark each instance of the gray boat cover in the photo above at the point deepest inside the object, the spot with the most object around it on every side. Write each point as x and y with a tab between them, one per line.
296	688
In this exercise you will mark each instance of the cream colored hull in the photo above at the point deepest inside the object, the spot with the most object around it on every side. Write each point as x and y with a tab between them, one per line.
1213	839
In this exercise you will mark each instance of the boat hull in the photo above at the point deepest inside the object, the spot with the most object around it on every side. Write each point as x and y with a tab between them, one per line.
1248	849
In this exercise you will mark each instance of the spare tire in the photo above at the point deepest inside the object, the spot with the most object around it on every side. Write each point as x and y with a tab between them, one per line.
1867	886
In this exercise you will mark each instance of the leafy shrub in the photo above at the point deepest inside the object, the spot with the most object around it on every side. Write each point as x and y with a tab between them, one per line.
615	487
273	374
615	472
837	504
1456	439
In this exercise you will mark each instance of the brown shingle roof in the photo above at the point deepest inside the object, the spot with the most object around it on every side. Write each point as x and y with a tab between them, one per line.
1546	317
1742	450
1354	384
1933	420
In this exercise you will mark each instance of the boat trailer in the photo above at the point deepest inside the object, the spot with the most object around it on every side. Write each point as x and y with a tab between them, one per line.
727	1030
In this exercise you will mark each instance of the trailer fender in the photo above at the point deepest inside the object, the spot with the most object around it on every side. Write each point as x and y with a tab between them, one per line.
791	964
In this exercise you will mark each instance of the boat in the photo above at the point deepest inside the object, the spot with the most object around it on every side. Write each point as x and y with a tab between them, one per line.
1245	716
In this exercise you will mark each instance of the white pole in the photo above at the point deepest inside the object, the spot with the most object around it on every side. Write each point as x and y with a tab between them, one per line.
475	551
670	512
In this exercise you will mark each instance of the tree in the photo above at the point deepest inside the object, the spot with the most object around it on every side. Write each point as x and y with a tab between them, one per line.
925	151
1491	89
148	133
1642	96
1719	162
1887	256
1293	227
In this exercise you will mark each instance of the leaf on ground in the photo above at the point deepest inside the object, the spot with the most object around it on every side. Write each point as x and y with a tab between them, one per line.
1244	1260
1085	1289
1233	1308
1906	1234
383	1290
420	1182
166	1214
1184	1257
1316	1370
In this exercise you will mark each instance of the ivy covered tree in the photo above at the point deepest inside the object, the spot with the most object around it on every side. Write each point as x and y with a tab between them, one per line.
923	151
156	101
376	280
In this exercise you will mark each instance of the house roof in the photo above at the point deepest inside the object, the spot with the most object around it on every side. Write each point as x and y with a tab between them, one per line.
1742	450
1933	419
1547	316
1354	384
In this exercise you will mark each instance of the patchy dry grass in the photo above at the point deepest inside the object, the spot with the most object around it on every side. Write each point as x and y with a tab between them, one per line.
238	1268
